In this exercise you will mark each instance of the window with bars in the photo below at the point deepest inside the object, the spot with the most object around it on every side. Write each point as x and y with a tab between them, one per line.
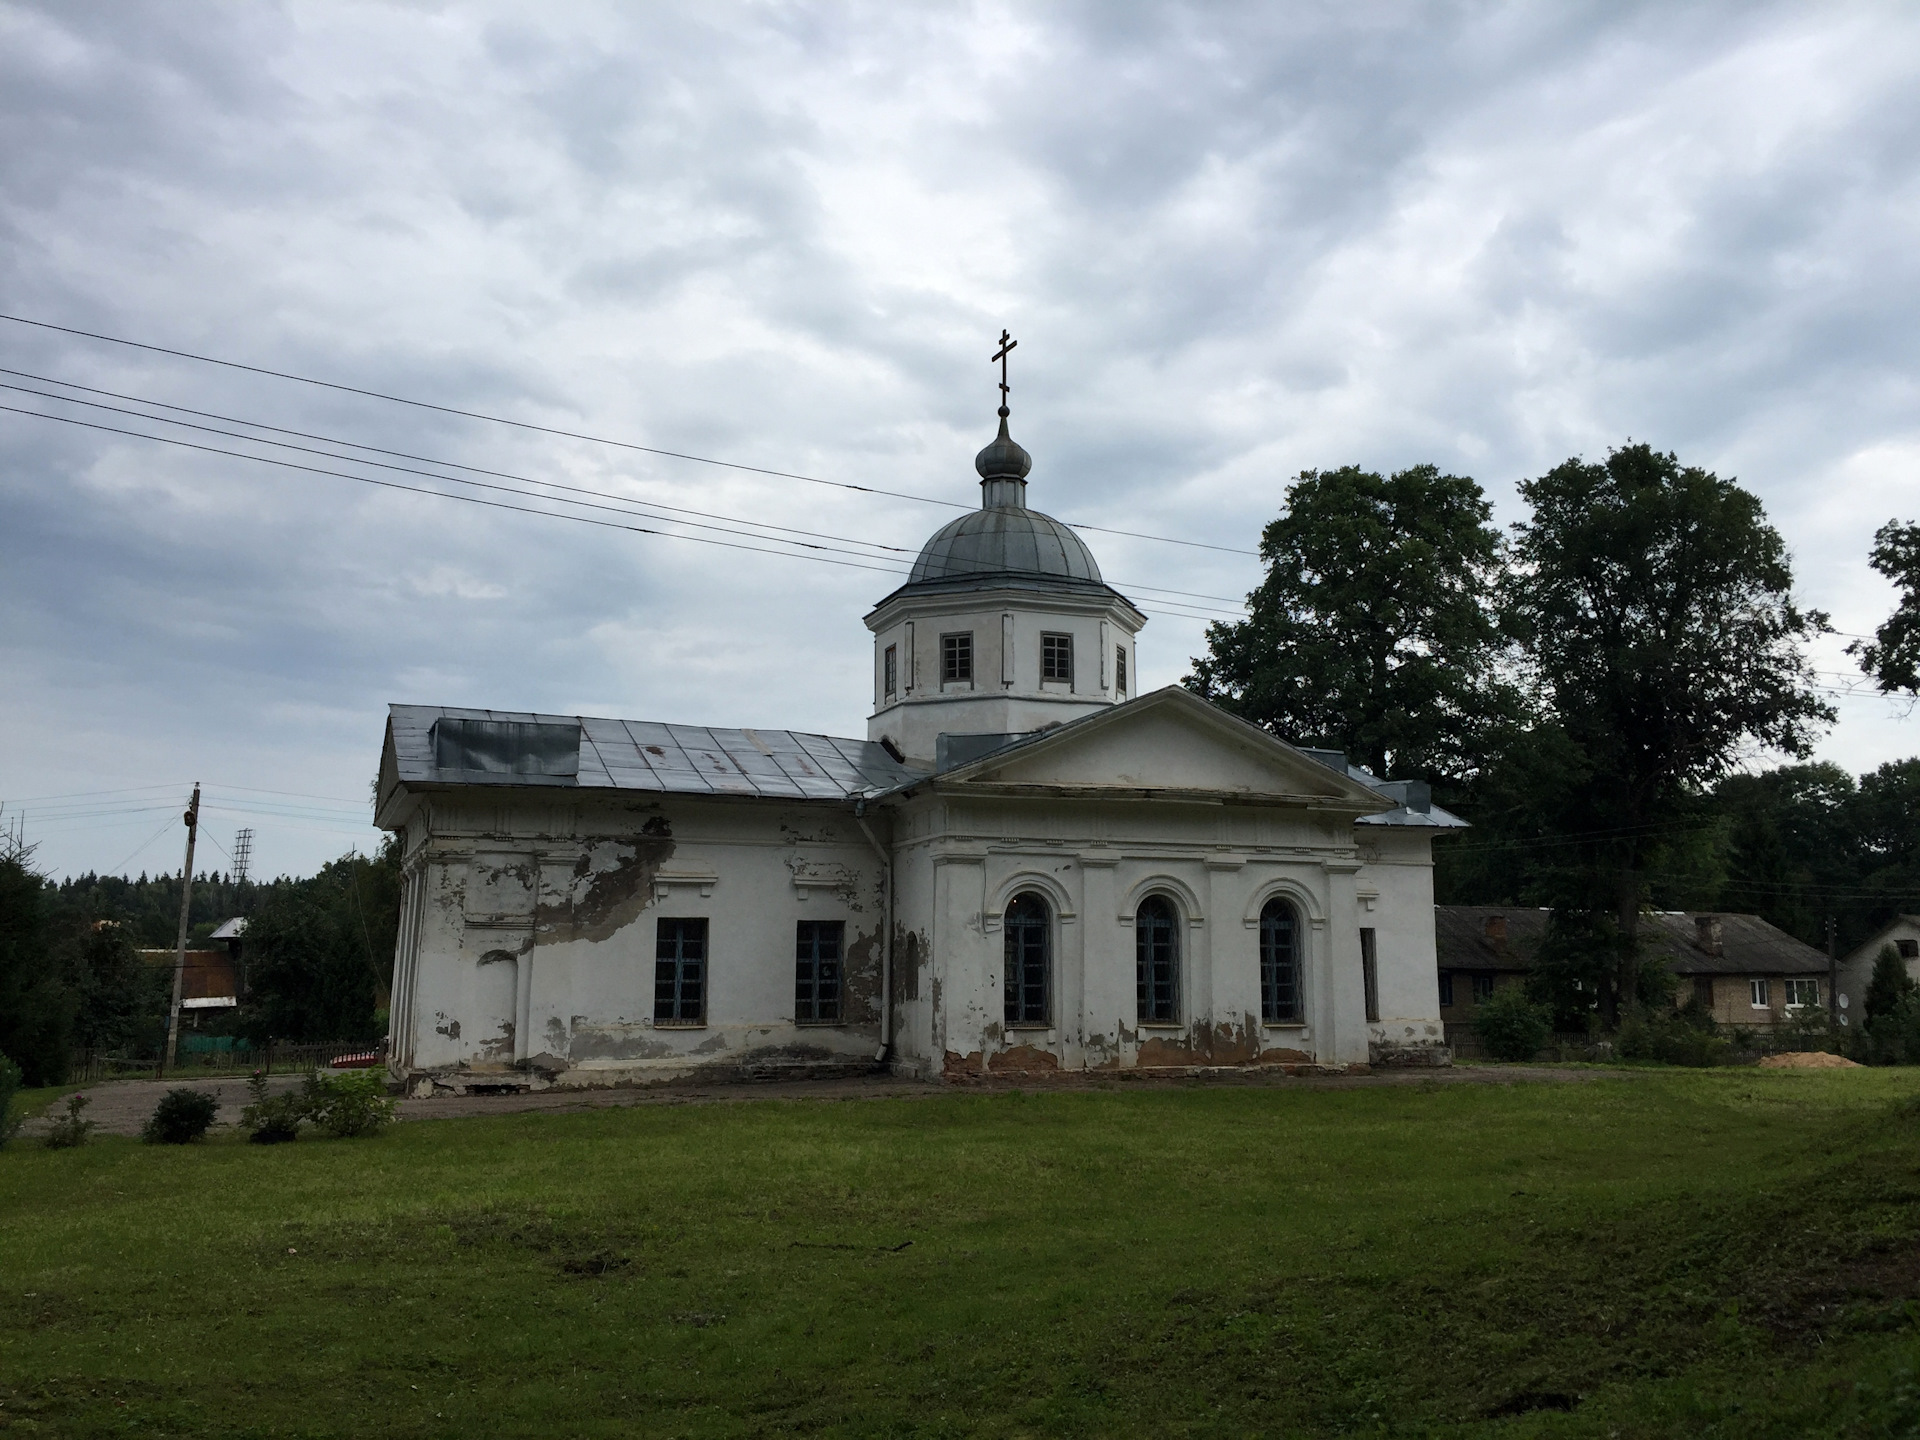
891	666
816	972
956	657
1156	938
680	973
1028	927
1056	657
1279	964
1120	669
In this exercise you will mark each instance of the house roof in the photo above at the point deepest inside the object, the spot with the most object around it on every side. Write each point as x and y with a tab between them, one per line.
1748	944
207	974
231	930
433	745
1870	947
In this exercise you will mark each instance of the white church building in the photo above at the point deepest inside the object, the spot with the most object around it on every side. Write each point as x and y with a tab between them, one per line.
1024	868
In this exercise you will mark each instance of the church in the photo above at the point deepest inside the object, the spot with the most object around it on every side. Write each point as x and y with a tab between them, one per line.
1023	869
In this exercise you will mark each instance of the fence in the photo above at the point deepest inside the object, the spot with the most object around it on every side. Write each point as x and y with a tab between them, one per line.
89	1067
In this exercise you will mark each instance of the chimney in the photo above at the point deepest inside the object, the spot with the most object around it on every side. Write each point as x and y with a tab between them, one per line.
1707	933
1497	929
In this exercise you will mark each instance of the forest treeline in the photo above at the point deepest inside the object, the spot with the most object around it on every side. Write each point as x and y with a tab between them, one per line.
317	956
1593	688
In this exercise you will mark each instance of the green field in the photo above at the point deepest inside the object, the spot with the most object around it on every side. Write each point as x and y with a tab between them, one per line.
1689	1254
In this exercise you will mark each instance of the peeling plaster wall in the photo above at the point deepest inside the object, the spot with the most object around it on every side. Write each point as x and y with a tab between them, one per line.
1395	885
529	928
961	859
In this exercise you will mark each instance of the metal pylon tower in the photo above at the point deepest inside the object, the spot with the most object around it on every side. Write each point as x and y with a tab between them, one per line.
242	854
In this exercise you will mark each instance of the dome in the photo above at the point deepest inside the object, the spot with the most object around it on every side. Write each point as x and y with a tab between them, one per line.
1005	540
1004	537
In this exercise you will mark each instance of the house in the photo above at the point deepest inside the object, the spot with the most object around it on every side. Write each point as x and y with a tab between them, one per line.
209	982
1025	867
1742	969
1856	966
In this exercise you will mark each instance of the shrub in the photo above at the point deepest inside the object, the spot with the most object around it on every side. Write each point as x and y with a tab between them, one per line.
1673	1037
1510	1025
272	1119
9	1086
181	1117
353	1103
70	1130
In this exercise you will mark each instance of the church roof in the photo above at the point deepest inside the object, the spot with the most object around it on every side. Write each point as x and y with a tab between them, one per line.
1005	540
435	745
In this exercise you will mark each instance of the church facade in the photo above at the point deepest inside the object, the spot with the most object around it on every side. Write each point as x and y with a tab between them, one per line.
1024	867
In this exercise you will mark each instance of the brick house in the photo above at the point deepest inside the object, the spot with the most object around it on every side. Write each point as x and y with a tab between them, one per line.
1744	970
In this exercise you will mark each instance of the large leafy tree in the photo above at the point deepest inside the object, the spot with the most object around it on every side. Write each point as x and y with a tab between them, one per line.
1892	657
1655	604
1374	630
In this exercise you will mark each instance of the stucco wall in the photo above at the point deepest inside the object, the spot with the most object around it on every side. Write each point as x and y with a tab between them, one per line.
529	928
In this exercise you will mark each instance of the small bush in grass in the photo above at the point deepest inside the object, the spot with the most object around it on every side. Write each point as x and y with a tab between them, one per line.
353	1103
181	1117
70	1130
9	1086
1511	1026
272	1119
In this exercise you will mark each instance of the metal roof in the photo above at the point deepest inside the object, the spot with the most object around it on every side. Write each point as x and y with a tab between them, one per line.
648	756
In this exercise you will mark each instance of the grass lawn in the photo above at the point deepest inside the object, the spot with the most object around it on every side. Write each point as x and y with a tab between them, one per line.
1667	1253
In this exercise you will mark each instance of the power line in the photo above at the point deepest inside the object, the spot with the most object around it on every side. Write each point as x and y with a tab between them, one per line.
573	434
826	559
641	504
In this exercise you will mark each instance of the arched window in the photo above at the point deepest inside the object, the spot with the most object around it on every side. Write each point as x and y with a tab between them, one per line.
1280	1001
1156	938
1029	932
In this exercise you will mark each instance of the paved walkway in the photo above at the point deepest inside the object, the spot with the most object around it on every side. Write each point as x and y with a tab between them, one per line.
121	1107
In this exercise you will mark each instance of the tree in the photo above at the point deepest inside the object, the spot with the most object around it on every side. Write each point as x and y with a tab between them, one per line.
1374	630
1654	602
36	1006
320	951
117	996
1892	657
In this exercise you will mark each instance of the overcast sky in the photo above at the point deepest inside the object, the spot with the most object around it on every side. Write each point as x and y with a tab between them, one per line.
1233	242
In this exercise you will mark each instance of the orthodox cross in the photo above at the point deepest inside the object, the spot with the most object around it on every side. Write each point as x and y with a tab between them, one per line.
1007	342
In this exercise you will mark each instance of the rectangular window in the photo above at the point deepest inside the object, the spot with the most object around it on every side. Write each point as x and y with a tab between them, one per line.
1056	657
680	973
1909	949
1446	989
1759	992
1120	669
1703	991
1801	993
816	974
892	668
1370	973
1482	989
956	657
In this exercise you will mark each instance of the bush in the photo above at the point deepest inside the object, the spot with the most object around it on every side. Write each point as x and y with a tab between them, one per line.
1673	1037
1511	1026
272	1119
181	1117
353	1103
70	1130
9	1087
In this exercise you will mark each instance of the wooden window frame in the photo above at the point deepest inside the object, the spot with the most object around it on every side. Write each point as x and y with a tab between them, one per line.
1027	950
1759	995
680	964
1119	669
817	975
890	671
1281	1001
956	658
1157	995
1053	645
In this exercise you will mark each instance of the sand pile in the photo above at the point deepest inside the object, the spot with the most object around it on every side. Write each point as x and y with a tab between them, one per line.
1808	1060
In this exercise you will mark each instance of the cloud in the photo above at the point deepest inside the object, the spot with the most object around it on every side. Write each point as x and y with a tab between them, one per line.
1234	241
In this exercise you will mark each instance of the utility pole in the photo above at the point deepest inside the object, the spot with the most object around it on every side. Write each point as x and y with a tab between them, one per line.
180	945
1833	976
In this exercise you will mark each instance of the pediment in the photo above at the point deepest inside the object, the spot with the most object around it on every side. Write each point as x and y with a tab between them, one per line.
1171	741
